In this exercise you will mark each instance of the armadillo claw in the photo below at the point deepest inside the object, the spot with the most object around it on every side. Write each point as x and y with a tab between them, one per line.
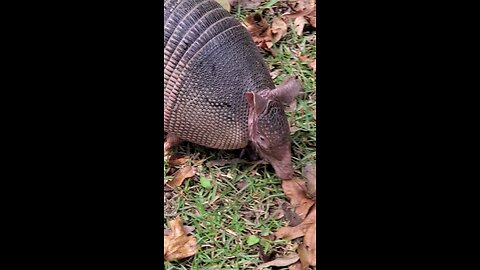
170	142
166	148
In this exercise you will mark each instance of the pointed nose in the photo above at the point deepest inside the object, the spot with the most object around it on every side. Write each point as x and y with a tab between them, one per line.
283	168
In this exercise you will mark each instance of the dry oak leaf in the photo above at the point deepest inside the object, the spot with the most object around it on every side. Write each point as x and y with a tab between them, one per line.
299	230
283	261
295	190
187	229
177	160
178	245
303	253
313	66
180	176
312	63
225	4
296	266
310	173
303	8
299	23
246	4
310	241
279	29
259	30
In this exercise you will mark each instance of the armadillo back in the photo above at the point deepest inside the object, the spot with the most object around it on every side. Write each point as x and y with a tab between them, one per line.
210	61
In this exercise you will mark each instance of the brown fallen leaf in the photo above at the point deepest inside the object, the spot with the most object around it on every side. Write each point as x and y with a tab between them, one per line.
187	229
312	20
278	214
296	266
313	66
246	4
223	162
303	254
299	23
259	30
180	176
279	29
275	73
178	245
310	173
294	129
177	160
241	185
310	241
225	4
283	261
303	8
299	230
295	190
293	218
312	63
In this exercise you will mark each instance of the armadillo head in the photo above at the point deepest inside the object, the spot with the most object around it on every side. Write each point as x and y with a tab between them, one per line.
268	126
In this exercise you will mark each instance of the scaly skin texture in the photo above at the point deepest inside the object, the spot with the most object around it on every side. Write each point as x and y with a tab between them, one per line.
216	84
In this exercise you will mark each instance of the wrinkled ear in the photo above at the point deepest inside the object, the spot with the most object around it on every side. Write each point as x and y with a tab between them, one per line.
288	91
256	101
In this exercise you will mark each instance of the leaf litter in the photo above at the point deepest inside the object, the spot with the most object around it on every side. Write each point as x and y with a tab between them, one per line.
177	245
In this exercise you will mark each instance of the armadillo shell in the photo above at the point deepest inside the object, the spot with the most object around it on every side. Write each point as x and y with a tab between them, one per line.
210	61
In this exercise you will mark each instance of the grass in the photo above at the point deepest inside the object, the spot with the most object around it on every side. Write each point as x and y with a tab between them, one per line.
240	201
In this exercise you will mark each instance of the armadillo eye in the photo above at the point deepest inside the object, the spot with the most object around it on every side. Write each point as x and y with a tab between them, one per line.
262	138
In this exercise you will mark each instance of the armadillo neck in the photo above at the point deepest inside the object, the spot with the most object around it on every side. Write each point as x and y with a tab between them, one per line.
210	62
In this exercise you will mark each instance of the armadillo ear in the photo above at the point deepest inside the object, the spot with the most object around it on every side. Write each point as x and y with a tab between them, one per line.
256	101
288	91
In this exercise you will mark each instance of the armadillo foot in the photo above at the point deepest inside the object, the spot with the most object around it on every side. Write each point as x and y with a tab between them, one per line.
171	141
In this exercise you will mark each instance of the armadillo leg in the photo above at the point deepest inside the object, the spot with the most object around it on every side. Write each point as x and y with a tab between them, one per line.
249	153
171	141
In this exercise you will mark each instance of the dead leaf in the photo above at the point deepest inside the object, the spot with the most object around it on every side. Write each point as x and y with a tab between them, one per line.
225	4
246	4
177	160
178	245
187	229
295	190
293	218
296	266
275	73
303	254
310	240
279	29
180	176
313	66
278	214
223	162
310	173
313	21
299	230
303	8
294	129
283	261
241	185
312	63
299	25
259	30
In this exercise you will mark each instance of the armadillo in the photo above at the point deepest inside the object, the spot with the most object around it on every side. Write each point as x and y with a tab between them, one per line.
218	91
